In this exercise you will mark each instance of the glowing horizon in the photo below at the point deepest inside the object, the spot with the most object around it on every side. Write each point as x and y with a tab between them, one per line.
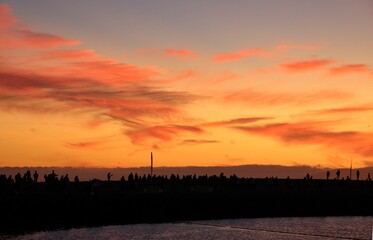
197	84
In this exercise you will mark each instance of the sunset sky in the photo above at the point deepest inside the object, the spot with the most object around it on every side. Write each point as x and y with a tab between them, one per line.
198	83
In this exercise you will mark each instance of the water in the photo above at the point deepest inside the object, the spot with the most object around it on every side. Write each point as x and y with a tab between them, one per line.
309	228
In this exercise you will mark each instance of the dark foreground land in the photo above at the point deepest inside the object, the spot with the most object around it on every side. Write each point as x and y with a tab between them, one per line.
34	206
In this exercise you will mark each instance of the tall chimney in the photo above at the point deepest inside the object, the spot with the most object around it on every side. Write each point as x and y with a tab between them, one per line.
151	164
351	170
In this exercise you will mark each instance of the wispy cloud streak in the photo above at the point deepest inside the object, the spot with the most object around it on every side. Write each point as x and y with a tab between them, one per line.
49	79
315	133
260	52
308	65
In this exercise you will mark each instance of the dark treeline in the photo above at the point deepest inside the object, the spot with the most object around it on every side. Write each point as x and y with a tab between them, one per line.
26	204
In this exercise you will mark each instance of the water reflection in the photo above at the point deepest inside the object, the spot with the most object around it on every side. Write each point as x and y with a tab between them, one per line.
310	228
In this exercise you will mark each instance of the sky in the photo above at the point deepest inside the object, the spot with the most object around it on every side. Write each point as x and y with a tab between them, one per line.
198	83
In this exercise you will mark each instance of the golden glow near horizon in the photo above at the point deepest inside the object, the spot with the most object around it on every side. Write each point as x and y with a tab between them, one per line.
200	91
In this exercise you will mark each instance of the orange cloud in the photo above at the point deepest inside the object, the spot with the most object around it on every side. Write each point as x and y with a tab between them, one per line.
234	121
84	145
129	103
260	98
179	76
241	54
343	110
259	52
185	53
295	46
70	54
147	51
29	39
167	133
107	70
223	77
315	133
87	64
95	143
198	141
350	68
20	103
19	81
300	66
182	53
164	133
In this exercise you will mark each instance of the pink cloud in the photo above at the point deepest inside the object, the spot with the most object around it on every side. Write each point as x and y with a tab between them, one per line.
6	18
14	36
299	66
